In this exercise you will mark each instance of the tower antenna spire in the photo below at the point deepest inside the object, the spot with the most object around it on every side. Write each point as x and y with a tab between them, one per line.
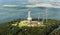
46	14
43	19
38	18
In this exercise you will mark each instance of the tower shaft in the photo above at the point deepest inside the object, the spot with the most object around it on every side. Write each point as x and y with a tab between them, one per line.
29	17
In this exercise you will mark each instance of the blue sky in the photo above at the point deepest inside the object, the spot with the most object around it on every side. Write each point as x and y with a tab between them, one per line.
46	1
26	1
32	0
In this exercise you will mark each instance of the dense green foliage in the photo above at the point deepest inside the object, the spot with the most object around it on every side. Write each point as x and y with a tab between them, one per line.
50	25
55	32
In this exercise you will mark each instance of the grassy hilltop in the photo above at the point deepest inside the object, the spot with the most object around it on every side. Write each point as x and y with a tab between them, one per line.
51	25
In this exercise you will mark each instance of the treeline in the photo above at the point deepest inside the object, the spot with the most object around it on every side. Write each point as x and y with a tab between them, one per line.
47	29
6	28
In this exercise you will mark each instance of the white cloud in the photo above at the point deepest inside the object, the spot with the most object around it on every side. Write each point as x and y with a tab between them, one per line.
33	1
54	0
37	1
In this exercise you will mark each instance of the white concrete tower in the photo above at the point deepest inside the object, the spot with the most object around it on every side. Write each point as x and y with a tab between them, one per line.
29	17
